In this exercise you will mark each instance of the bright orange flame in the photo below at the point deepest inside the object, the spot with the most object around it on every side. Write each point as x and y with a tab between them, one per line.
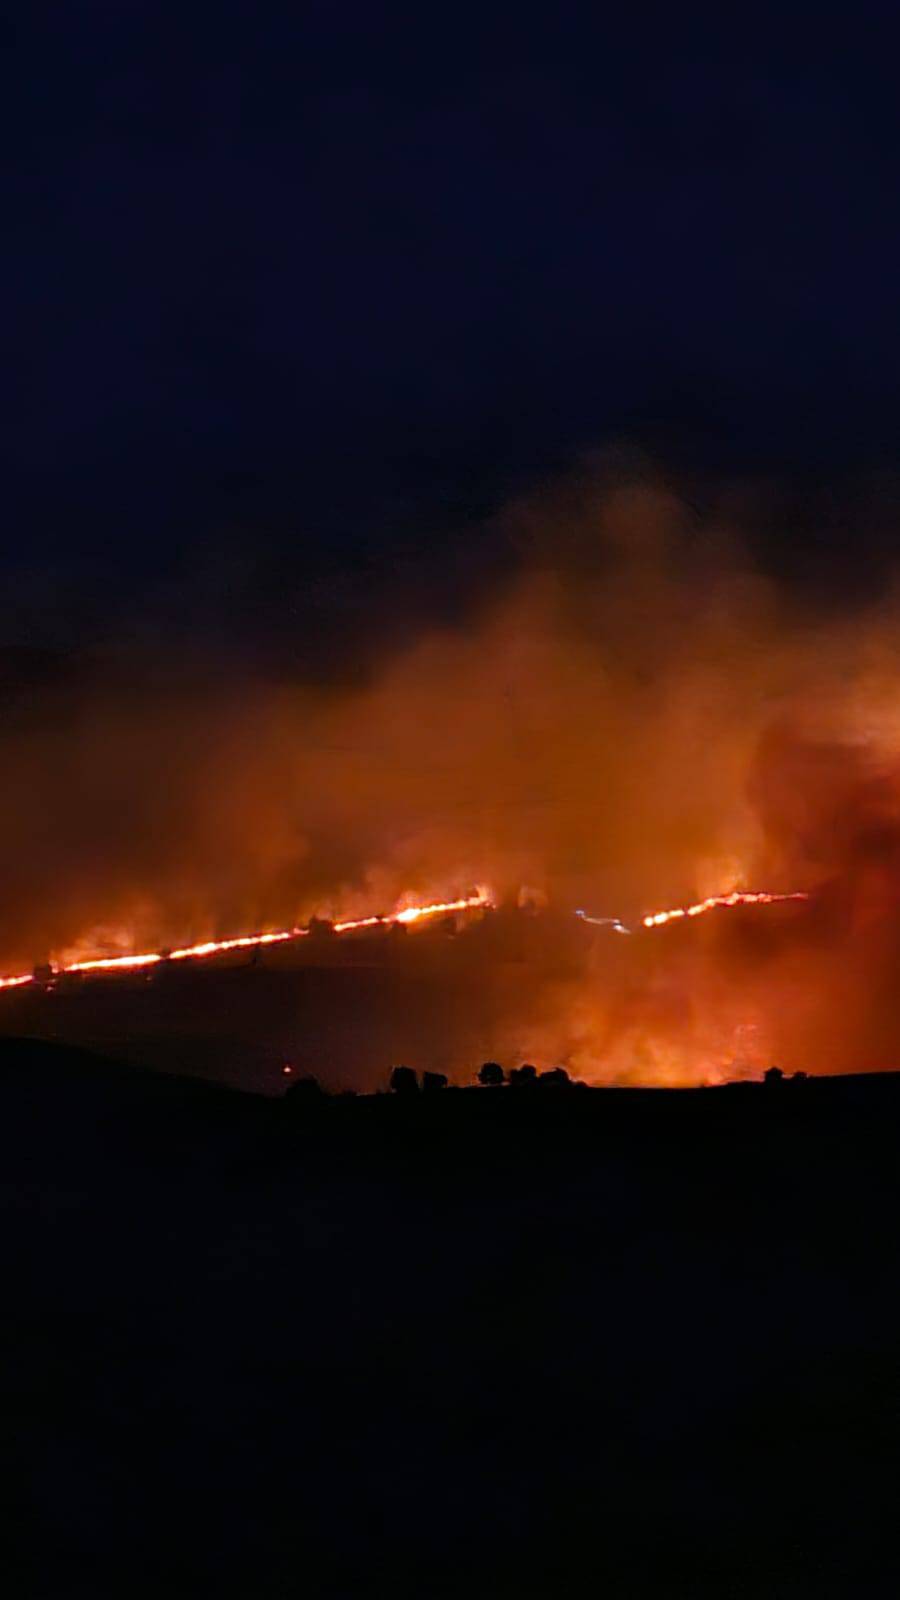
250	941
415	913
737	897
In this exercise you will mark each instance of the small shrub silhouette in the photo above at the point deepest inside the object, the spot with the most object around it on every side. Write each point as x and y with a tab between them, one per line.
555	1078
491	1075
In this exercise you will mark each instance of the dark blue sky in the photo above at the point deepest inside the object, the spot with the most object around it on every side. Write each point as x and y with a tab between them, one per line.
295	294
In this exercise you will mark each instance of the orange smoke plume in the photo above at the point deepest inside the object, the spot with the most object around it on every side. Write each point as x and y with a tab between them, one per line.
637	717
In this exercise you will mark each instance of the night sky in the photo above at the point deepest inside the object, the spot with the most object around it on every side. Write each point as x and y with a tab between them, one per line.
297	296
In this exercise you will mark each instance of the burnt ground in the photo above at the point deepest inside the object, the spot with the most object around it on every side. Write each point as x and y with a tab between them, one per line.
485	1344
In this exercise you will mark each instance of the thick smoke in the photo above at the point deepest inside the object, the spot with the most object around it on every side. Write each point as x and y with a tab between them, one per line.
642	719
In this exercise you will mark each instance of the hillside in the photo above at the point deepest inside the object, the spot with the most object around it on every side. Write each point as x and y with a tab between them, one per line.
485	1344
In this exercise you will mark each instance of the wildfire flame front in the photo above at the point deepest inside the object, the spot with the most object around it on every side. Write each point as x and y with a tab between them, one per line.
737	897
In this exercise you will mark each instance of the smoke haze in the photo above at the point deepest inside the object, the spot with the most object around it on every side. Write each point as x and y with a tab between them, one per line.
640	719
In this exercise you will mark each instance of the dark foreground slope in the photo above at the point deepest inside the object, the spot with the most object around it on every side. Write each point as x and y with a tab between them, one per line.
489	1344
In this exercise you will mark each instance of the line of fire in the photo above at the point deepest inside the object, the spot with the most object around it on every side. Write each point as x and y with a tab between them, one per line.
47	973
445	983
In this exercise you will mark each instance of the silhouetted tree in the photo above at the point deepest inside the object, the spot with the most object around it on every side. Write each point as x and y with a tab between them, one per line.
43	973
800	1077
491	1075
404	1080
524	1077
432	1081
773	1077
556	1078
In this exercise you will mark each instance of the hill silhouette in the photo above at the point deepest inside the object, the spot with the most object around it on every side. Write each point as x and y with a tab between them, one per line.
468	1342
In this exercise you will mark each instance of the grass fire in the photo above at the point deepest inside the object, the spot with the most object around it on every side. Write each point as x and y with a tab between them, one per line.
636	721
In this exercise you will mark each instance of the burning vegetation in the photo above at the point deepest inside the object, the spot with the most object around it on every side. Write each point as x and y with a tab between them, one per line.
247	941
641	720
